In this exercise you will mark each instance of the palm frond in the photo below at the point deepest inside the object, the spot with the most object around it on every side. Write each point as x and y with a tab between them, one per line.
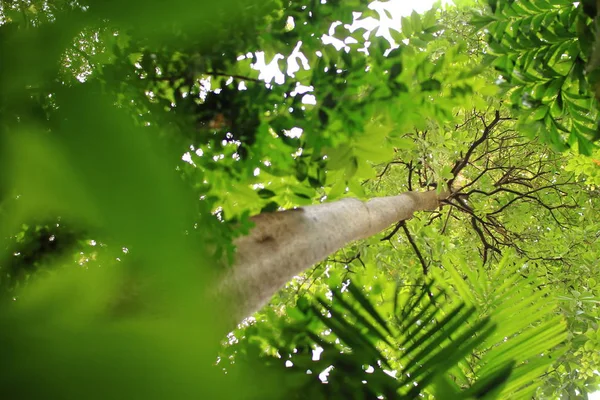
434	342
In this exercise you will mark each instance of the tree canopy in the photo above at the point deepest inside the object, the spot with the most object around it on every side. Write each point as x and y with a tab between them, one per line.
137	138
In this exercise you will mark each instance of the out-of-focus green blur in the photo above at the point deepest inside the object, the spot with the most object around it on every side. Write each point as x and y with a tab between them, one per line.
127	317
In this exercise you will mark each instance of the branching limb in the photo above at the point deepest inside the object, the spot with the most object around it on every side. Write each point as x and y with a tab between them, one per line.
486	245
393	232
415	248
460	164
349	260
226	74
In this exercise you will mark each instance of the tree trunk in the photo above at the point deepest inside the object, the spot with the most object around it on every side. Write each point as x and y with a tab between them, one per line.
284	244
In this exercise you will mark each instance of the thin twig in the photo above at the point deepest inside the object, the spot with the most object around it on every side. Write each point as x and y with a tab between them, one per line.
244	78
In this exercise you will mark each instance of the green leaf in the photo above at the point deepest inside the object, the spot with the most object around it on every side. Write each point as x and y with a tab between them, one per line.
301	170
407	28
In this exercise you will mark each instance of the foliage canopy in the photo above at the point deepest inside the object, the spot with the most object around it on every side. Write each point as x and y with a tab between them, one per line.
109	237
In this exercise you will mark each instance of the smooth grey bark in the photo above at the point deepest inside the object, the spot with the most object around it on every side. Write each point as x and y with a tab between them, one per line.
284	244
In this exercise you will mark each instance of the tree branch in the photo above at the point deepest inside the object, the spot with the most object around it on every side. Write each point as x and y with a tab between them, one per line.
241	77
460	164
393	232
415	248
